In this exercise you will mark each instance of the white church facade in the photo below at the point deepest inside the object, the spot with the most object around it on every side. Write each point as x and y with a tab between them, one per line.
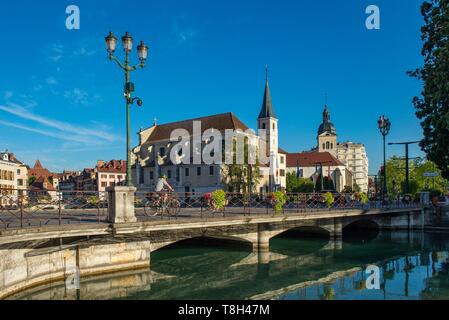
153	157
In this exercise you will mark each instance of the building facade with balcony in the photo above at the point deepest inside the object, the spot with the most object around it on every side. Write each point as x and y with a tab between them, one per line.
12	171
354	156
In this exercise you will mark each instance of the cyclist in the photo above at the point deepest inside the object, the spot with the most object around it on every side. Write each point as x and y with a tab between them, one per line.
163	187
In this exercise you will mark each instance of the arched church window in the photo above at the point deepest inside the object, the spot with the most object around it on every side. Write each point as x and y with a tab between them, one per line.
327	145
263	126
274	126
324	146
332	145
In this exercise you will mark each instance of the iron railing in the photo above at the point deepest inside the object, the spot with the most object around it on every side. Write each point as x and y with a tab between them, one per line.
31	208
35	208
153	205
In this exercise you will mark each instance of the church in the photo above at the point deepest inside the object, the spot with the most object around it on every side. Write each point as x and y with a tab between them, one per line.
345	164
151	159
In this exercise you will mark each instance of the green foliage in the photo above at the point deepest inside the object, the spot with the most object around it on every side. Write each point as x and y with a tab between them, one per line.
432	107
328	184
347	189
363	198
93	200
418	183
31	180
244	177
279	201
298	185
357	188
329	199
219	198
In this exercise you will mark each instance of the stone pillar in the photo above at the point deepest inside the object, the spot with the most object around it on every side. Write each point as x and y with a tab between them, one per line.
121	204
263	239
337	232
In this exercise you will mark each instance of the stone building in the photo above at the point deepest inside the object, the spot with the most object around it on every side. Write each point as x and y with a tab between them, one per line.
352	155
312	165
152	157
38	171
13	177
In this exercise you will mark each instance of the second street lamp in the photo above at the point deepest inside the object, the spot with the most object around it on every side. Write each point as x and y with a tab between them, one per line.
142	50
384	125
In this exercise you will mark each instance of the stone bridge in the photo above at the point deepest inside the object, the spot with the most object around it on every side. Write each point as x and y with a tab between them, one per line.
35	256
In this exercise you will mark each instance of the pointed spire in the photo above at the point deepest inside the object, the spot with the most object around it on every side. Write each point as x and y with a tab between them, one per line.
38	165
267	105
326	114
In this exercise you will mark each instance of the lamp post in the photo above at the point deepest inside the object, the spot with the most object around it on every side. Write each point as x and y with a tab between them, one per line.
407	159
384	125
142	51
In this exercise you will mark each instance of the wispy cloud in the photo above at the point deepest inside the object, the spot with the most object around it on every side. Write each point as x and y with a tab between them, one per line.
74	138
65	131
51	81
56	52
77	96
85	52
183	33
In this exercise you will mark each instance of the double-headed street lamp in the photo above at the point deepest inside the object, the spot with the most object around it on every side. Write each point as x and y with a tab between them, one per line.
142	50
384	125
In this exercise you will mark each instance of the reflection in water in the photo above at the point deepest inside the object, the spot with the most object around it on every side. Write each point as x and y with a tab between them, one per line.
412	266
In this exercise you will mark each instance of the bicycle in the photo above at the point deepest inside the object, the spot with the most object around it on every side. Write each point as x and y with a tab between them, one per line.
157	203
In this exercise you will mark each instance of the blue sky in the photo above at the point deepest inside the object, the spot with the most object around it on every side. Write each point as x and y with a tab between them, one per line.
61	98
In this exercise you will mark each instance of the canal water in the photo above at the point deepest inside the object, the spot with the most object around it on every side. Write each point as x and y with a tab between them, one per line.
409	265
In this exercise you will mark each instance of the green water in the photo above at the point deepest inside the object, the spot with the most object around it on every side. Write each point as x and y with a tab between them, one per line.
412	266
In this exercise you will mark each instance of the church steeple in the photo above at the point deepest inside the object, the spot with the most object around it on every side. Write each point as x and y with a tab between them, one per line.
267	110
326	114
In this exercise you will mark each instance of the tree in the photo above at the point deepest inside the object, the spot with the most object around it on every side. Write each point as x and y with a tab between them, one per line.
418	182
432	107
328	184
31	180
298	185
241	177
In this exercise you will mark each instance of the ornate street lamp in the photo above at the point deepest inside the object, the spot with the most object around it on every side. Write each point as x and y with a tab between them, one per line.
384	125
142	51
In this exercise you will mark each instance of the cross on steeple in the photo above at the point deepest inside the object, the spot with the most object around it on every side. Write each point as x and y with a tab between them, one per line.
266	72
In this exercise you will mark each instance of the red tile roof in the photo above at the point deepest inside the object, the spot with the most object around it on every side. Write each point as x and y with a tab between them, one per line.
39	171
113	166
311	159
220	122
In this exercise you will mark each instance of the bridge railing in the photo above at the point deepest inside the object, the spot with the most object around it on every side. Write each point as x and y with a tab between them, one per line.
34	208
22	208
150	205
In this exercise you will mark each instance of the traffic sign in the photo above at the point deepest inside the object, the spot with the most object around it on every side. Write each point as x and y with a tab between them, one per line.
431	174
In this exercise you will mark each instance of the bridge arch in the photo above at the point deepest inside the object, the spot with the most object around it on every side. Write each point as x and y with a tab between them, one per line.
304	231
363	229
205	240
